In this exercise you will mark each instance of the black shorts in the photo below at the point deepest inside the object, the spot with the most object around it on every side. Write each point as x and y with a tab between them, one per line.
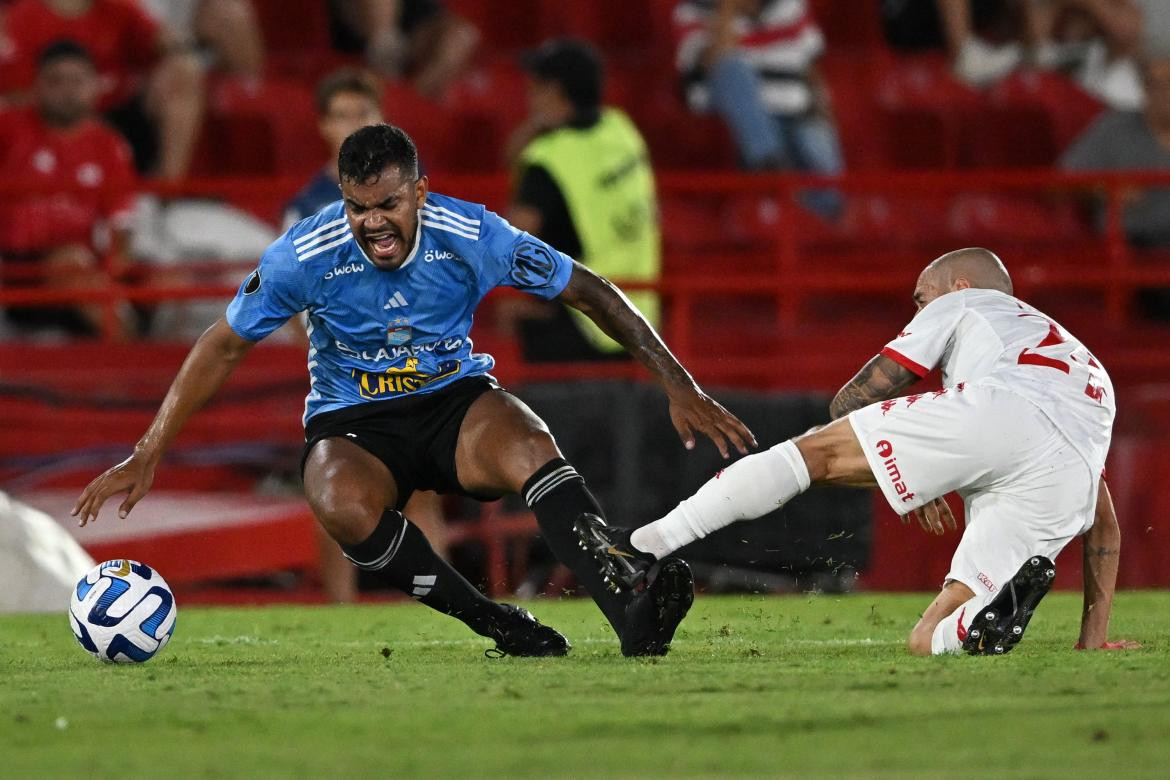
414	437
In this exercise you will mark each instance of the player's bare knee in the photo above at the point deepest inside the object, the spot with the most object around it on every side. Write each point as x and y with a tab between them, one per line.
919	641
346	520
540	447
833	456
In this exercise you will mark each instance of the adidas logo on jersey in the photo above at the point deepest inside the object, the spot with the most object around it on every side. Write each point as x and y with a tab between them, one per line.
397	301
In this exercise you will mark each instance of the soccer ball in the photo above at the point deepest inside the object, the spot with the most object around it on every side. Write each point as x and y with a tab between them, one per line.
122	611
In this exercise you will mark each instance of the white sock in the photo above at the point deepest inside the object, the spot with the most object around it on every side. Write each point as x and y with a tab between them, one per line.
946	637
747	489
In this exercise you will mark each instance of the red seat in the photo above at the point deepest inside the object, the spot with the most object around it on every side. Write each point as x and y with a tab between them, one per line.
299	26
486	104
681	140
431	125
290	144
922	112
235	146
1020	220
850	85
609	24
848	24
506	26
1010	136
1070	108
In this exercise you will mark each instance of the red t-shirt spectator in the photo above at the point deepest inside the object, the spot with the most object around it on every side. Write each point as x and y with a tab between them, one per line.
91	158
122	39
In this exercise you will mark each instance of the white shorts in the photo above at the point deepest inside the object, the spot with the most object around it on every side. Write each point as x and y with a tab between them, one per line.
1026	490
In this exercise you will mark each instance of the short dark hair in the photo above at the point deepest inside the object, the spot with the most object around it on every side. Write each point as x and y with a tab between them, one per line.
372	149
572	64
63	49
355	80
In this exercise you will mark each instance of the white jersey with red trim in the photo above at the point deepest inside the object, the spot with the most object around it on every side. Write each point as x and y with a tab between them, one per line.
993	337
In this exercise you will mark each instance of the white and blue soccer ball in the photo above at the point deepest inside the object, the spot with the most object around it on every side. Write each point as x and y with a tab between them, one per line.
122	612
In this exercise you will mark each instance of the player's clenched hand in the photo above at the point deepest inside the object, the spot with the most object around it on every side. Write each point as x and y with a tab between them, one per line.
133	475
693	410
934	517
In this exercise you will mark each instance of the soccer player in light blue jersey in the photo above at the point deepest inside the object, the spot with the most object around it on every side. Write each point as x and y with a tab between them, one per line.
390	278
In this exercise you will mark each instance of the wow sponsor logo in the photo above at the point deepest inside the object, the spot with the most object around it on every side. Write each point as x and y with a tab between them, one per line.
342	270
431	255
376	385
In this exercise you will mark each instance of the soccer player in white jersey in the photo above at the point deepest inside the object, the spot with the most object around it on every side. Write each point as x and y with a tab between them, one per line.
399	401
1020	430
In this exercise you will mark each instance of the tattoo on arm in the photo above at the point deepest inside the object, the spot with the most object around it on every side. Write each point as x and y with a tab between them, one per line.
878	380
607	306
1102	552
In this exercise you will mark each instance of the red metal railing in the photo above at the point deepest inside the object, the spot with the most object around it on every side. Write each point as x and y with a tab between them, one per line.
790	259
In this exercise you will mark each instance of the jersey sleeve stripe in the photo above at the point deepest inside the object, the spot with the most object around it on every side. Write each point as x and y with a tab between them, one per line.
323	238
324	247
448	221
440	210
905	362
322	229
449	229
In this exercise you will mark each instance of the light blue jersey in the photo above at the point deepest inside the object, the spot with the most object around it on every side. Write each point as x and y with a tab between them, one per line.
376	334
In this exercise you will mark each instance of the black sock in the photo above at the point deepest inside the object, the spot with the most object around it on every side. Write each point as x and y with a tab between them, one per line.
399	552
557	495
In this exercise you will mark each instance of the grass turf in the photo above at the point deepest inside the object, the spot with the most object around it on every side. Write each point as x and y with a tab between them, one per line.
755	686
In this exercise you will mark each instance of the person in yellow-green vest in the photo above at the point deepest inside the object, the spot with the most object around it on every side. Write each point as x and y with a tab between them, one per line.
583	183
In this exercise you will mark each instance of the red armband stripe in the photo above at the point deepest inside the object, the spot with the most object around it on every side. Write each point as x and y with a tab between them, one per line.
905	362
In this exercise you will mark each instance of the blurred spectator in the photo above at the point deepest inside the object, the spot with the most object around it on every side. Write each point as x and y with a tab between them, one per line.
975	60
1136	141
584	185
151	88
347	100
419	39
1094	39
54	238
754	63
226	31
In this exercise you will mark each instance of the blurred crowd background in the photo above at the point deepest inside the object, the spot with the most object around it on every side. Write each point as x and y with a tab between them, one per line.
785	167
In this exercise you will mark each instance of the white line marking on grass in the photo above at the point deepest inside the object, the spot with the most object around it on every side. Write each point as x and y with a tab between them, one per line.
845	642
231	640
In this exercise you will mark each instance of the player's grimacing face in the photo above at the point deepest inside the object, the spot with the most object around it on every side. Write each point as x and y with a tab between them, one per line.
383	214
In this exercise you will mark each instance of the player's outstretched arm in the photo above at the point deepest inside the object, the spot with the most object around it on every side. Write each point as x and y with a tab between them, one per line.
691	409
207	366
1102	554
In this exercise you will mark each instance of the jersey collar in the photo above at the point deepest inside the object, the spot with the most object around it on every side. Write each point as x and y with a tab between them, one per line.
417	240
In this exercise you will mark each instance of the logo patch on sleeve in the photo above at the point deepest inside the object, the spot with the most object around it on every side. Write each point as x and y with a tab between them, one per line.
534	265
253	283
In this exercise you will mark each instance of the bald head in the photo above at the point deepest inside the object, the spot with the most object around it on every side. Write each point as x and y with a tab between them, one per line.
972	267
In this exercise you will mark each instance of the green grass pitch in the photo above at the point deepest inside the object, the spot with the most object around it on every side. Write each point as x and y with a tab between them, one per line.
799	686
